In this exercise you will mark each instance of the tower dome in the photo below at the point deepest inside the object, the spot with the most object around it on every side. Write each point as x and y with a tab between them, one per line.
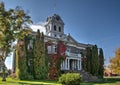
54	26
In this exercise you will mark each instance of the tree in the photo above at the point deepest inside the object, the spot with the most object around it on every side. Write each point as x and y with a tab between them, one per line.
40	70
83	60
95	61
101	63
12	24
88	59
21	68
115	62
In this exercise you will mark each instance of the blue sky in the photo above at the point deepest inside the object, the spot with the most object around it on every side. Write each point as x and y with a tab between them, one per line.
88	21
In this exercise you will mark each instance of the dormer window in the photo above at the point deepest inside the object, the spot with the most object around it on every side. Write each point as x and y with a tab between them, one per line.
54	27
59	29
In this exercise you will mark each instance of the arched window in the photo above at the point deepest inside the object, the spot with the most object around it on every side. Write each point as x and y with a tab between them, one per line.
54	27
59	29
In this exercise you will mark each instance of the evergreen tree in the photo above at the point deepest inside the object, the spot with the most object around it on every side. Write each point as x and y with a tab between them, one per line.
83	60
39	57
88	59
95	61
21	62
29	54
101	63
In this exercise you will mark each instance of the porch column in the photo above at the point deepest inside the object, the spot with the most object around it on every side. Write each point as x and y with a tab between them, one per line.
78	65
61	65
65	64
68	64
75	64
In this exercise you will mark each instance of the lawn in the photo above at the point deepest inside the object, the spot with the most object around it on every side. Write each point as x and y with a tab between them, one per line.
109	81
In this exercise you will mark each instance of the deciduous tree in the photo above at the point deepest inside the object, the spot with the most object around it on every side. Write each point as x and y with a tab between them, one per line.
12	24
115	62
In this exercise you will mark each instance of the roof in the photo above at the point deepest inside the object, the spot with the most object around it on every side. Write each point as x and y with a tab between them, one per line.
55	18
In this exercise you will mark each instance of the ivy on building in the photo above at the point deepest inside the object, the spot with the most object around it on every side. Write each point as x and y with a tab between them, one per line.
32	60
55	60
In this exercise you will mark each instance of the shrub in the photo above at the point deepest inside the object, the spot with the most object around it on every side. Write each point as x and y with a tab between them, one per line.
70	79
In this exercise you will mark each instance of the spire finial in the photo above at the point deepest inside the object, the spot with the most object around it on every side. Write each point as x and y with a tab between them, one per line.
54	5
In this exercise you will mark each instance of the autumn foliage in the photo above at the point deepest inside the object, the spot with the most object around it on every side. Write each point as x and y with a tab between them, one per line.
115	62
56	60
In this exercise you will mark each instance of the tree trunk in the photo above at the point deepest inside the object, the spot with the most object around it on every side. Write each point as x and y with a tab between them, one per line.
3	74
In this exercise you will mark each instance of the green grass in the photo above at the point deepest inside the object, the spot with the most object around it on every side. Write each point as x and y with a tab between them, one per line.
109	81
25	82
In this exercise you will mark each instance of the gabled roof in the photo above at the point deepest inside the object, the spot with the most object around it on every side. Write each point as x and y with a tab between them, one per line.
72	40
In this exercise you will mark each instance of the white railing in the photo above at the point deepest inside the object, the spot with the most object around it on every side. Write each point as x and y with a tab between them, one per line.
73	54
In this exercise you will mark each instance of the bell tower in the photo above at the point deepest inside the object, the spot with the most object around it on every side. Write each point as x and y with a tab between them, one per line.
54	26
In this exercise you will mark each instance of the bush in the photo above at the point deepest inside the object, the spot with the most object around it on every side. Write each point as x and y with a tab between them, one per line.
70	79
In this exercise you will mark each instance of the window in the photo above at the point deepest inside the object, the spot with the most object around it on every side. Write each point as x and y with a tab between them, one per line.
49	49
54	27
55	48
59	29
60	35
55	35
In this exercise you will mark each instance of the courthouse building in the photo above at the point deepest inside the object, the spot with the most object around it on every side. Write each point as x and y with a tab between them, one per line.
53	30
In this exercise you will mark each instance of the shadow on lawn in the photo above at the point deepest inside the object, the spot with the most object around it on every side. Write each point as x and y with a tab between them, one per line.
105	81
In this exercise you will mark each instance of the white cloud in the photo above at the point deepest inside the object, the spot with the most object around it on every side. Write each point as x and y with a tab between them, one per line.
38	26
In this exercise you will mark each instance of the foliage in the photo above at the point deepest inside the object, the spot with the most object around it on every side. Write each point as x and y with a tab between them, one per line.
95	61
115	62
12	24
83	60
40	69
21	62
56	60
101	63
70	79
29	43
91	61
88	59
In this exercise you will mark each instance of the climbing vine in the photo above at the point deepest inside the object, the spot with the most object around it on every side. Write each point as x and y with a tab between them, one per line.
56	60
33	61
